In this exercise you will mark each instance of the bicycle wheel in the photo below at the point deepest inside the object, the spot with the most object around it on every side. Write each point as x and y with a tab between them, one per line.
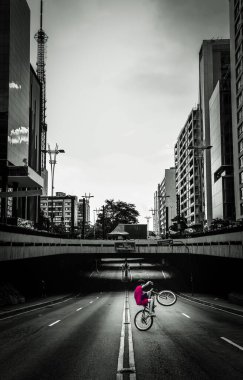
142	320
166	298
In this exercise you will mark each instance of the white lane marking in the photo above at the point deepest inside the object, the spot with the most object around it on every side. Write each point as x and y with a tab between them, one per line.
130	345
212	307
185	315
233	344
91	274
163	273
97	297
119	375
80	308
54	323
91	301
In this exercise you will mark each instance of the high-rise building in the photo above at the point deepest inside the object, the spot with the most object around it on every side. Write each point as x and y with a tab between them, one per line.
236	51
62	209
214	62
19	165
166	201
189	170
223	206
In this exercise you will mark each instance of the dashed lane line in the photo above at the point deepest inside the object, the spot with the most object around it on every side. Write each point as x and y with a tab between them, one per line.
54	323
186	315
80	308
233	344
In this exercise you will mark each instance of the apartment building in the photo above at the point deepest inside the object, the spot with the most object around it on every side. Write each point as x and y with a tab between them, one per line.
189	170
214	63
236	58
166	201
62	208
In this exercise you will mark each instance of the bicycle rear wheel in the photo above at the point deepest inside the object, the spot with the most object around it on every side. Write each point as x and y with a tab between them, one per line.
143	320
166	298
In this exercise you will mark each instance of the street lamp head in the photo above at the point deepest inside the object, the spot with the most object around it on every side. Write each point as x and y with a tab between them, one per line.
61	151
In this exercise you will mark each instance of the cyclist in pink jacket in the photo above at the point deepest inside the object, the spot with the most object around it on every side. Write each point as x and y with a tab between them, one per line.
144	298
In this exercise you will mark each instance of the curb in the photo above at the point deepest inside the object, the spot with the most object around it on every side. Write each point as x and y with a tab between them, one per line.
214	305
10	313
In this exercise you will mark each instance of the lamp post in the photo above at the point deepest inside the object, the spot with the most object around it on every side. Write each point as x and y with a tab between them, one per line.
52	155
200	149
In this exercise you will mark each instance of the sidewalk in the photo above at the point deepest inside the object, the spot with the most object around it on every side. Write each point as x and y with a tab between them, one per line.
217	302
11	310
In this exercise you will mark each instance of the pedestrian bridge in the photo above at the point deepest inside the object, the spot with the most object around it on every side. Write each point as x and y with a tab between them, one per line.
16	246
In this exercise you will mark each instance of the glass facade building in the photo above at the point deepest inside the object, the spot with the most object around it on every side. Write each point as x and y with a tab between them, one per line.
236	51
214	62
15	79
222	152
19	116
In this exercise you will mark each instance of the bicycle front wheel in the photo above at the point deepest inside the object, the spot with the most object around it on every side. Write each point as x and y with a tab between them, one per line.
143	320
166	298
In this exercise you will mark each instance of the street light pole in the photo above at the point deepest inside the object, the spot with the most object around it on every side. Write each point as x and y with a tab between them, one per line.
52	155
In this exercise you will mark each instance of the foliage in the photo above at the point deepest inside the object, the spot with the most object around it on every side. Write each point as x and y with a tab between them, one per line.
179	223
44	222
115	213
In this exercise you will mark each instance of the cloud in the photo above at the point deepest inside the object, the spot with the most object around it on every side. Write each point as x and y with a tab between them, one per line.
19	135
15	86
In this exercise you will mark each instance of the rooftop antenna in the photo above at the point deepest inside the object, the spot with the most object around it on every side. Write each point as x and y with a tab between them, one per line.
41	38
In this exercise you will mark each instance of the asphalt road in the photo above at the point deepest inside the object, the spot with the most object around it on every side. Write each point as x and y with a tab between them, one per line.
82	338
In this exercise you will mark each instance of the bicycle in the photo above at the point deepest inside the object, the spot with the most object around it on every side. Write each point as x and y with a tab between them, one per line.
143	320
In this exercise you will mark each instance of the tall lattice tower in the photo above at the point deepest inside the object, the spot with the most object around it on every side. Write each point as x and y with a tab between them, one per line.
41	38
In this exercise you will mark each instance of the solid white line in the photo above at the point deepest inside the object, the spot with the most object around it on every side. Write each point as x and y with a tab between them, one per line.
186	315
119	375
130	345
233	344
80	308
54	323
91	301
163	273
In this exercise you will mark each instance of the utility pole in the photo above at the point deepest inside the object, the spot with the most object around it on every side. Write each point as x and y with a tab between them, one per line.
52	155
86	199
147	218
103	222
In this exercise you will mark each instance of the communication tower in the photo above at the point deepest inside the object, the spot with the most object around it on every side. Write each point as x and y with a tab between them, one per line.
41	38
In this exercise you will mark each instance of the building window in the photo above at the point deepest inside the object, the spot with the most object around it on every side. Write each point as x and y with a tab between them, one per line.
241	146
239	115
241	161
241	177
240	130
241	193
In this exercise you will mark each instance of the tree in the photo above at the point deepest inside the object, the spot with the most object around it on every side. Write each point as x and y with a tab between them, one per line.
114	213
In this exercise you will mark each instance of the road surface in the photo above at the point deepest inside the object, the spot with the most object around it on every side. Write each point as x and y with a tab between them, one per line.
85	337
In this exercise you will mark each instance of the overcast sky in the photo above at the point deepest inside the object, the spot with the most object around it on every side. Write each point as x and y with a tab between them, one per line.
122	77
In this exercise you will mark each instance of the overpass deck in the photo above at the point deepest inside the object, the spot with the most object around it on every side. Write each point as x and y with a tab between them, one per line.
15	246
